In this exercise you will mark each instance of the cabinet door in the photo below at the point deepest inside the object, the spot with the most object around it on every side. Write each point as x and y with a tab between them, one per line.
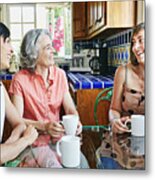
79	20
101	14
95	16
120	14
90	17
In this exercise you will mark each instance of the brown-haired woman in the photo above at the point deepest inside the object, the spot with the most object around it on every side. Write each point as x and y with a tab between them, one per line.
128	94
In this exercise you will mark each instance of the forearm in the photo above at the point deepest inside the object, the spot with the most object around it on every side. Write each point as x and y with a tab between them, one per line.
10	151
113	114
40	125
71	111
16	133
69	105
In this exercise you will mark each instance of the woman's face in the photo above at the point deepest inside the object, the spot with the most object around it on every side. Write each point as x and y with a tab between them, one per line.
5	53
45	57
138	47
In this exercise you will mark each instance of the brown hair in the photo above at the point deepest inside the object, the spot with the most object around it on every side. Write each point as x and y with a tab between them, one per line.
138	28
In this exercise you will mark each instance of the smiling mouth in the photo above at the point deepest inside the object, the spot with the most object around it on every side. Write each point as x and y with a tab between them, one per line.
140	54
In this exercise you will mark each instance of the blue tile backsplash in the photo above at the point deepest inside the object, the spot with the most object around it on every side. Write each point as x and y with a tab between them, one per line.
6	76
119	48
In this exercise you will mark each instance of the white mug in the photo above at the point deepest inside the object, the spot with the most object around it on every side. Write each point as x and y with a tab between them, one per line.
138	125
68	148
137	146
70	123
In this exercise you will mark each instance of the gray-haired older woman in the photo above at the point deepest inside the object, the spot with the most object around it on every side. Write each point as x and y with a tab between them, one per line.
40	88
128	95
30	48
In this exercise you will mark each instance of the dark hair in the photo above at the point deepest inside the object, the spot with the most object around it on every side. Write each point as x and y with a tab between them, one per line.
138	28
4	31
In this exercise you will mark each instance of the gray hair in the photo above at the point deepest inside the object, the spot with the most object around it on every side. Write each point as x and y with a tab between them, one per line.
29	49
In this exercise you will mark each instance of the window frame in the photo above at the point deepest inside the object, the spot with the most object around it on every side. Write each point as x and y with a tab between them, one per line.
22	22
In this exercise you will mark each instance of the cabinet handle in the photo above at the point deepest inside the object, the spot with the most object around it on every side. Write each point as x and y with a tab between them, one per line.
99	20
90	26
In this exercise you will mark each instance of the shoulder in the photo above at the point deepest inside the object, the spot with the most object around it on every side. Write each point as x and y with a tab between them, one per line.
22	72
21	76
60	72
120	71
130	67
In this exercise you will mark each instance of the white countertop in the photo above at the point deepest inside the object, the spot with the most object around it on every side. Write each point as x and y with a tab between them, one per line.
80	69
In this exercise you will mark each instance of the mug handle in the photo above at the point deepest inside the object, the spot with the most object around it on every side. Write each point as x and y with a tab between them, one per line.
128	124
61	123
58	148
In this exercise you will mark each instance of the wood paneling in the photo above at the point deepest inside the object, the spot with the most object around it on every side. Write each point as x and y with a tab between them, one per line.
85	101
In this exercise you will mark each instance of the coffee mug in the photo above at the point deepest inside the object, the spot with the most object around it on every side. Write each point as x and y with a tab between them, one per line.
138	125
70	123
137	146
68	148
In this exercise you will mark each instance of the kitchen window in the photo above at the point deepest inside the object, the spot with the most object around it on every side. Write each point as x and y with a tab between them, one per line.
56	17
21	19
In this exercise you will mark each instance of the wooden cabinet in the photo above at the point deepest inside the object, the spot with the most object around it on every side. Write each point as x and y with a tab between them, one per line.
96	16
110	14
79	20
88	17
101	14
120	14
92	18
140	11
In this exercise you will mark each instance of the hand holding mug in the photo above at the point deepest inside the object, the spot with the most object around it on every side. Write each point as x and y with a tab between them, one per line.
138	125
55	129
118	125
71	124
79	128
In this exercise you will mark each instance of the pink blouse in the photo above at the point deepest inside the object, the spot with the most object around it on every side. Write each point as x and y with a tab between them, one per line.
40	103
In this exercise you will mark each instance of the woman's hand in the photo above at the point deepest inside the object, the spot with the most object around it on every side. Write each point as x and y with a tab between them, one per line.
118	125
55	129
79	128
30	135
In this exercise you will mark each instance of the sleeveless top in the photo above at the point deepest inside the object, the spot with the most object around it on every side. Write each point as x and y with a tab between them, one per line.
2	110
133	101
